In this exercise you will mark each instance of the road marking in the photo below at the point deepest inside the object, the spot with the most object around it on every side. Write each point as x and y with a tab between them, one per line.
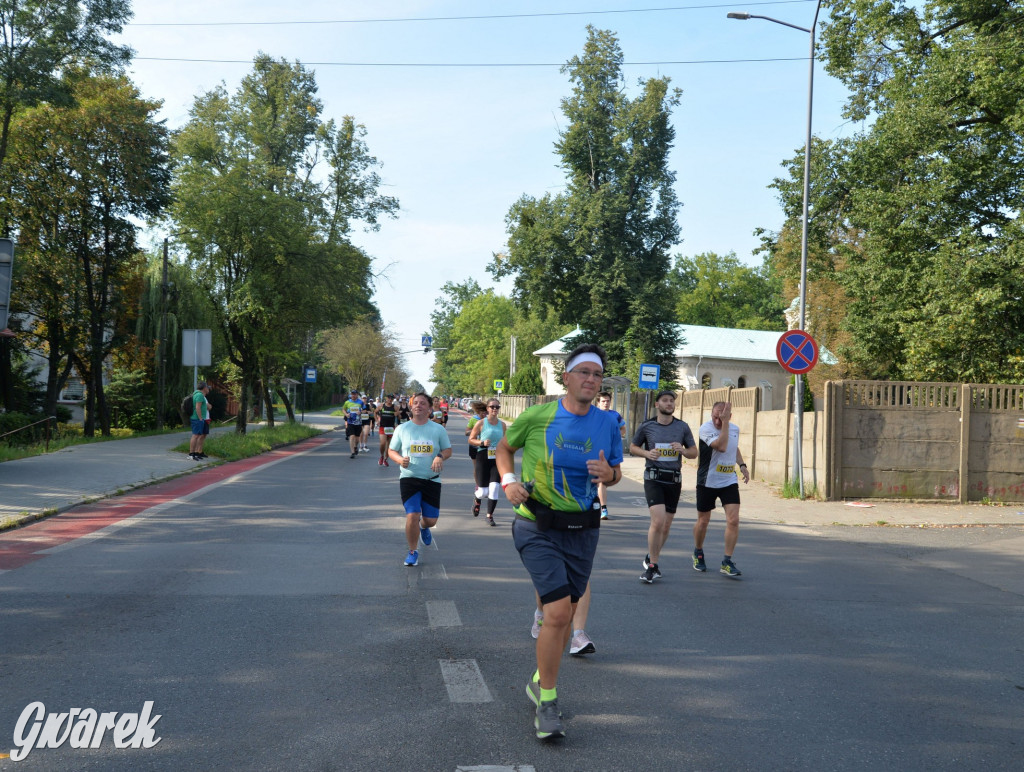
442	613
492	768
428	571
464	681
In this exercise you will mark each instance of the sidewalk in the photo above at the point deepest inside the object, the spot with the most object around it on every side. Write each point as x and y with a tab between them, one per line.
64	479
72	476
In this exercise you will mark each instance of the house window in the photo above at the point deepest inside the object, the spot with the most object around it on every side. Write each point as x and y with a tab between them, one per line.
742	382
705	381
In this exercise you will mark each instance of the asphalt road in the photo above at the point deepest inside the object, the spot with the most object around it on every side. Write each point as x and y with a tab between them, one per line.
271	622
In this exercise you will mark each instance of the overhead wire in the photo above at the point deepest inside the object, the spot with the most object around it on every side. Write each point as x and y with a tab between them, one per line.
463	18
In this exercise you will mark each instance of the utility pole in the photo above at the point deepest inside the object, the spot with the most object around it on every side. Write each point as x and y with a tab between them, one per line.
161	396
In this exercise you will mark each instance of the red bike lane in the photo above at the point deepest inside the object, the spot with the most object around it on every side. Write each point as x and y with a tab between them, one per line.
25	545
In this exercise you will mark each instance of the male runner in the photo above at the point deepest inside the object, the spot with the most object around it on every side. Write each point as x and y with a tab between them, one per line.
387	415
661	440
604	402
568	447
353	408
420	447
716	479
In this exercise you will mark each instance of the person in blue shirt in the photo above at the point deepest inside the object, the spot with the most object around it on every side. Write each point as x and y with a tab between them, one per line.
420	447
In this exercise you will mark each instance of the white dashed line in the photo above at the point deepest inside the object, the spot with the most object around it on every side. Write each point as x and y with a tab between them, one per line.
442	613
464	681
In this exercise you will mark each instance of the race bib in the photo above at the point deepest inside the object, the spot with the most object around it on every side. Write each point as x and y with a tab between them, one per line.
726	468
365	416
492	453
421	449
389	430
665	450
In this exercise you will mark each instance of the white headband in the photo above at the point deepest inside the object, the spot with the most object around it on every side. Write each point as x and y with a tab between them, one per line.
579	359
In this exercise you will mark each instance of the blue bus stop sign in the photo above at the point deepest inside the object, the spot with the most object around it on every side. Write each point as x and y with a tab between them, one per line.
649	376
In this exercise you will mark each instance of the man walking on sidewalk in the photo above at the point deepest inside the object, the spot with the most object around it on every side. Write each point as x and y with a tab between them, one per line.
661	440
716	479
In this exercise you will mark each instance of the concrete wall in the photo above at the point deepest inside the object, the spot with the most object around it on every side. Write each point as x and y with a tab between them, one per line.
882	439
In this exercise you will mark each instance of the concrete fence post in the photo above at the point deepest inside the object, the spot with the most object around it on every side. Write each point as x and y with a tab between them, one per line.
965	439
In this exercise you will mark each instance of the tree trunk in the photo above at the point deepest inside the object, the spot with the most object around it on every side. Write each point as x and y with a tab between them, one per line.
287	404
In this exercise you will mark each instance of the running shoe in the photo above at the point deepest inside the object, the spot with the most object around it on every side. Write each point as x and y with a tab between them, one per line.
476	507
533	692
413	558
698	561
425	536
490	520
581	644
650	574
604	513
729	569
538	622
386	461
647	560
548	721
354	454
380	461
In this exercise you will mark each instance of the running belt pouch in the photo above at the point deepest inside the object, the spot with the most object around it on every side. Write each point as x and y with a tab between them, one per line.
663	475
557	520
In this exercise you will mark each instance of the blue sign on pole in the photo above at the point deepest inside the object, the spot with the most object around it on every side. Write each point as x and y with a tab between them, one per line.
310	375
649	376
426	341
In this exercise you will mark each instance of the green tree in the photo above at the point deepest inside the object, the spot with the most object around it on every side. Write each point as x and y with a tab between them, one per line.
918	214
43	40
481	334
719	291
598	254
81	177
269	237
447	307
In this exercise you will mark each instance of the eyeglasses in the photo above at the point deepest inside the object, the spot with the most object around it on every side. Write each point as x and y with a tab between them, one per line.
585	374
494	407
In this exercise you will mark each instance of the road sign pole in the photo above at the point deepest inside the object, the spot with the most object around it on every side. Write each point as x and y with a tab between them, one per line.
797	353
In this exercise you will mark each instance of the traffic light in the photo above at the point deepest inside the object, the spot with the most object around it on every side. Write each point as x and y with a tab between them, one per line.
6	267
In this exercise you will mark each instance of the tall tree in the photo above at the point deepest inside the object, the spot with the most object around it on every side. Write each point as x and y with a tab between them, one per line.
598	254
269	235
924	205
42	40
81	178
364	354
447	307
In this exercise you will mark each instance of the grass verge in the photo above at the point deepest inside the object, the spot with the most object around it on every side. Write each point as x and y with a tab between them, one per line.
234	447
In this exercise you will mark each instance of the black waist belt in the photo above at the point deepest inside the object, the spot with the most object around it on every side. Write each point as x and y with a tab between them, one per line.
663	475
558	520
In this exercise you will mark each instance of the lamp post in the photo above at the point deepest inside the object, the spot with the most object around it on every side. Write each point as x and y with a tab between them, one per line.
798	392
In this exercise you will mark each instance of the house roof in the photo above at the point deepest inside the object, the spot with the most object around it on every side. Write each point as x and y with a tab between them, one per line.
727	343
710	343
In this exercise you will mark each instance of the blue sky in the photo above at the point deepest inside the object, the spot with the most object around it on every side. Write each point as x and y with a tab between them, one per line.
458	145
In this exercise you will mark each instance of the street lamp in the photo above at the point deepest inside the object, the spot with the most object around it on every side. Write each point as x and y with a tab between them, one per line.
798	461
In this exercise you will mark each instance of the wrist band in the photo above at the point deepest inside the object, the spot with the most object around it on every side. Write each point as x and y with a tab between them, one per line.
743	466
507	479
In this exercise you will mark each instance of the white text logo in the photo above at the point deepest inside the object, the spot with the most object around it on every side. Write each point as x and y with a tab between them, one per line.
82	729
